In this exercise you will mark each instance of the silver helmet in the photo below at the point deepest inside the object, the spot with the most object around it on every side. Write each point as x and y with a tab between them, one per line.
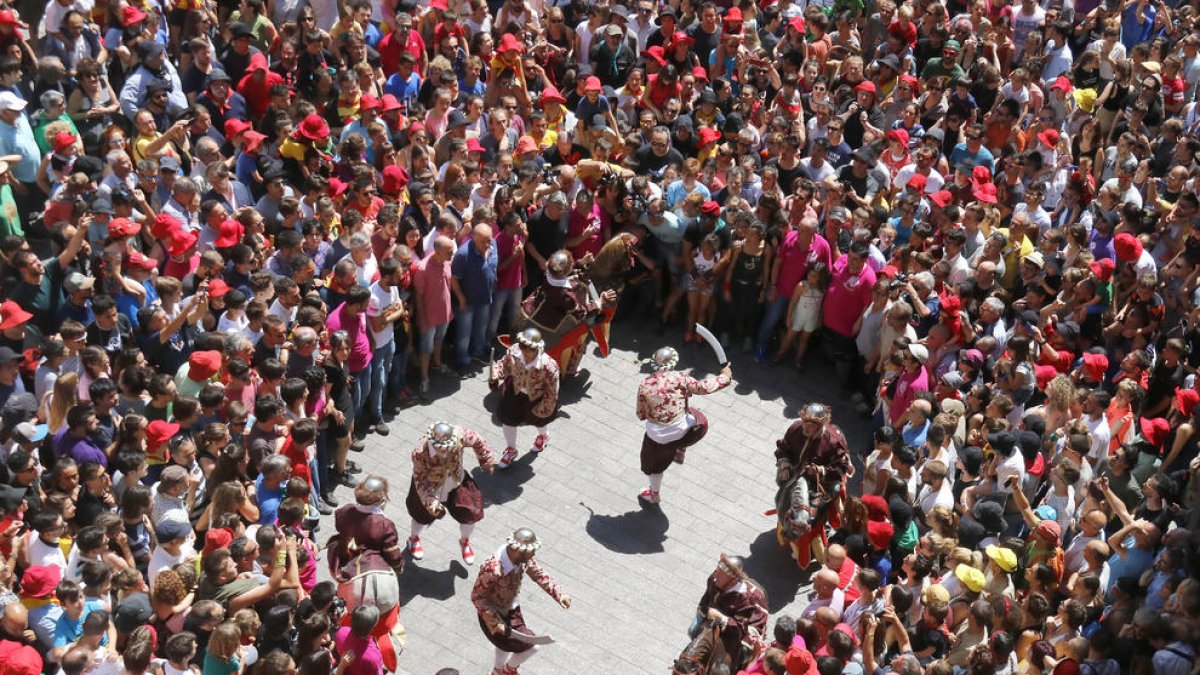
531	338
523	539
559	264
666	358
441	435
373	490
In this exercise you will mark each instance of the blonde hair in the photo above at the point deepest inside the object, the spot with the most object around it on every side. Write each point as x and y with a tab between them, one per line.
64	397
1059	393
225	641
226	498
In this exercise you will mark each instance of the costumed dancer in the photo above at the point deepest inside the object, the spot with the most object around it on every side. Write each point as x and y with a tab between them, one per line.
564	308
812	463
528	383
671	424
495	599
365	559
441	485
735	603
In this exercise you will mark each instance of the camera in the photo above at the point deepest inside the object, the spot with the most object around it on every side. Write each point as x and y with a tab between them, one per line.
900	281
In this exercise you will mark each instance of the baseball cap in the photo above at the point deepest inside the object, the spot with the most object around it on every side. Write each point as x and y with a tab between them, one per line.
76	282
26	432
10	101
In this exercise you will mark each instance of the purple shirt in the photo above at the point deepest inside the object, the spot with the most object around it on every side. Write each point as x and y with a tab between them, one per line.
794	259
360	342
80	450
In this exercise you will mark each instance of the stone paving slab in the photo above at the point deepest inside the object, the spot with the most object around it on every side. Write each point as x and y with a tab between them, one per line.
634	572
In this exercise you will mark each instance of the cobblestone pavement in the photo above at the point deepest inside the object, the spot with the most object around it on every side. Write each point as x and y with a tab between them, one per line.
634	573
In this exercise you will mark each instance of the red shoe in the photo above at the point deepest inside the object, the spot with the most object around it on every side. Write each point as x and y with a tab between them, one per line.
539	443
468	553
415	549
649	496
507	458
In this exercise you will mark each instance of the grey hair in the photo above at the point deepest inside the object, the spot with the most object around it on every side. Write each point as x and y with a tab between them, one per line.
925	279
52	97
186	184
995	304
359	239
557	198
274	465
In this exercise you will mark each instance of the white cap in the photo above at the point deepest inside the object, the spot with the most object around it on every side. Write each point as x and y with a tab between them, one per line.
10	101
919	352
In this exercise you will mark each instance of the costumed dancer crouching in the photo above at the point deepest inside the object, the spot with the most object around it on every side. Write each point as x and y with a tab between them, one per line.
528	381
563	308
495	599
441	485
671	424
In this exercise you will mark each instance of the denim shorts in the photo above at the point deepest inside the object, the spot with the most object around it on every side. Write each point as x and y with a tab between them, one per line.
430	337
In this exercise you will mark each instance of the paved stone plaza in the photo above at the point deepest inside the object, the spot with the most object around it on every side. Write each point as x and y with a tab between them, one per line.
634	573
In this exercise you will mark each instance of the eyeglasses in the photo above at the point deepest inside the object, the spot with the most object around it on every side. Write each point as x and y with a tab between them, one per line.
406	26
426	202
658	144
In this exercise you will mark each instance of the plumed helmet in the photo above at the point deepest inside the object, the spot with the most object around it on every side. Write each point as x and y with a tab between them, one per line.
816	410
734	564
531	338
559	264
665	358
523	539
373	490
441	435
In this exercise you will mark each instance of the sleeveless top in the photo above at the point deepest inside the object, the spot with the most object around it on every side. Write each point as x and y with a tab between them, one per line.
748	269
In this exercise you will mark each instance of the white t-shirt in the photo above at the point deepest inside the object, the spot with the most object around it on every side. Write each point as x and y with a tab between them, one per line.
160	560
381	299
41	553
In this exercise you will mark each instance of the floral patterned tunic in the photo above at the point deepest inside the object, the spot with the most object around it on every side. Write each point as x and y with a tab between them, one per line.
499	584
433	468
538	379
662	397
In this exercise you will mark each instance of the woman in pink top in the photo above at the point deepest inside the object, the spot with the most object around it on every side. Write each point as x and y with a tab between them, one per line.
913	379
431	291
586	231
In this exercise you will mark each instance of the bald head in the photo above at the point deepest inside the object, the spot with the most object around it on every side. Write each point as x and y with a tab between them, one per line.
825	582
443	246
835	557
1094	522
481	236
15	619
826	617
1096	552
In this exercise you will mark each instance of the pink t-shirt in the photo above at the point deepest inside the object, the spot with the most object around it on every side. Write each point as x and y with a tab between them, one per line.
510	277
368	660
431	282
906	392
847	297
795	258
360	342
578	223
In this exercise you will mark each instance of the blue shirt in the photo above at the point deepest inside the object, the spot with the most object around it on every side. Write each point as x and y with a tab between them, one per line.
1132	564
1134	33
404	90
18	139
268	501
476	272
962	154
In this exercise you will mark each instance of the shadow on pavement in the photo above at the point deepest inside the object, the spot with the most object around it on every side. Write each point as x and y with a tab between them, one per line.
770	566
429	583
636	532
574	389
507	484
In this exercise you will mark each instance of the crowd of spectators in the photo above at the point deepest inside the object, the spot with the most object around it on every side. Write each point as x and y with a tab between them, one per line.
226	226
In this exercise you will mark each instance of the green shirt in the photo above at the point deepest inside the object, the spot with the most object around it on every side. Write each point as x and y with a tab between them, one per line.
10	220
39	130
